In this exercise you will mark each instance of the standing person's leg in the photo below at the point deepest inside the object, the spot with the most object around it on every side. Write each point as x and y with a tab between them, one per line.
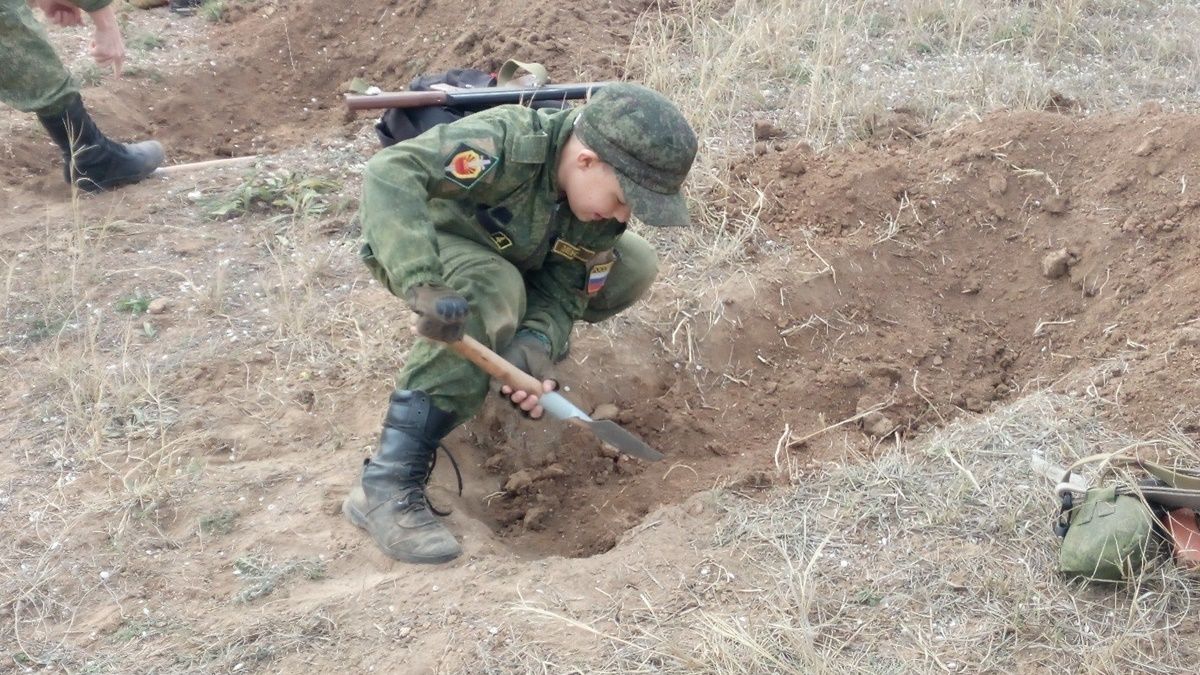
33	79
436	391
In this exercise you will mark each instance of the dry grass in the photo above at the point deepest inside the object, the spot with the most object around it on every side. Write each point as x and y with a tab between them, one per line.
826	68
942	560
116	437
944	570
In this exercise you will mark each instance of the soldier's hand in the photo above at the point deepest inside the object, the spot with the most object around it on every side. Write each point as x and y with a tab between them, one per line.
441	311
60	12
528	403
531	353
108	47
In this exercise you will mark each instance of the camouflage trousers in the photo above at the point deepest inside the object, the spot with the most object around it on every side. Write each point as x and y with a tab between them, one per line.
496	291
32	78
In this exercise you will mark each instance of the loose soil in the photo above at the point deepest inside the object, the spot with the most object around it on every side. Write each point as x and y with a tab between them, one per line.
899	283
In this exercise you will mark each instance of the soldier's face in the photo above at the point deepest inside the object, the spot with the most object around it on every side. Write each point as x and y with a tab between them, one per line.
593	191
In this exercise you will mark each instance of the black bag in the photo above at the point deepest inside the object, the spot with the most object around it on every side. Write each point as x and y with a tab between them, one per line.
401	124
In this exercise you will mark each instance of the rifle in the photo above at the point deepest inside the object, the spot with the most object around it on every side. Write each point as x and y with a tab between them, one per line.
482	97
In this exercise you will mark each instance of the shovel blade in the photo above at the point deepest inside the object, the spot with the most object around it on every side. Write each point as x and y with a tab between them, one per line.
612	433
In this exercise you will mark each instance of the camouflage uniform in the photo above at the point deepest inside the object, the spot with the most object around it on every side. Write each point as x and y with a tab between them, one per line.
475	206
33	78
503	239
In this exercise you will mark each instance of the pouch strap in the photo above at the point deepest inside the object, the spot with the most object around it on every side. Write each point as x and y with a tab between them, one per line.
508	72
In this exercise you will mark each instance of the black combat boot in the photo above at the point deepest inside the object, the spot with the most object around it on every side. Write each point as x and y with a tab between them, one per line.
93	162
390	501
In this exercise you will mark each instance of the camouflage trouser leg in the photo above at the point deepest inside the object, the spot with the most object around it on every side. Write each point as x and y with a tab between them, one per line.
32	78
496	291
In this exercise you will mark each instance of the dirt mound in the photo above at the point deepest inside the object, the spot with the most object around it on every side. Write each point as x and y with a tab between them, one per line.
265	95
196	454
1056	241
262	96
945	275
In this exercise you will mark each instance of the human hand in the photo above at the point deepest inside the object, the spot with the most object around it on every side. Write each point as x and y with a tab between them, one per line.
531	353
108	47
529	403
60	12
441	311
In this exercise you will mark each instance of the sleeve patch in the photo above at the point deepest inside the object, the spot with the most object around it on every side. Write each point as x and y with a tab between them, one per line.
466	166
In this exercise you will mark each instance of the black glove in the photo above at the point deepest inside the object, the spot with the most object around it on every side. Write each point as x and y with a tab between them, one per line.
531	353
441	311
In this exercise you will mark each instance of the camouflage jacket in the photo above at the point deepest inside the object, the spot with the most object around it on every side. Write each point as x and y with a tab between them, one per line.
90	5
491	178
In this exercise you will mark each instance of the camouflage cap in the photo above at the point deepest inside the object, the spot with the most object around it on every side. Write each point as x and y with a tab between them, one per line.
645	138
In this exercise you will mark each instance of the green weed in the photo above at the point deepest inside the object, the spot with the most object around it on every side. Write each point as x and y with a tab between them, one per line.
219	522
284	192
214	11
89	74
262	575
134	304
146	41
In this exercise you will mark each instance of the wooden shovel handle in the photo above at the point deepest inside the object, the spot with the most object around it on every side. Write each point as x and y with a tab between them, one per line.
491	362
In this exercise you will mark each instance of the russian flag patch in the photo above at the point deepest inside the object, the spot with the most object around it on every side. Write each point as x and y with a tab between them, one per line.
597	276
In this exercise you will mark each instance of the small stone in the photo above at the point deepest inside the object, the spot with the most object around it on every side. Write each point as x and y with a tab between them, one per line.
764	129
535	518
1058	204
518	481
878	425
1056	263
998	185
605	411
494	462
555	470
158	305
795	166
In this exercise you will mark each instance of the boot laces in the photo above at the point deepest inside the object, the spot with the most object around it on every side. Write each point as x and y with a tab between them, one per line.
408	502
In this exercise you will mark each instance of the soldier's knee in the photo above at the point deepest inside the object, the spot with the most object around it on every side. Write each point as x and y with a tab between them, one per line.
640	263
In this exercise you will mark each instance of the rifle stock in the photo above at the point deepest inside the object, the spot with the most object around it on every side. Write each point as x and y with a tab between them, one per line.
482	97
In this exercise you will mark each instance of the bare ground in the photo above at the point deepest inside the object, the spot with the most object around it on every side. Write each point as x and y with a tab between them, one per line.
190	397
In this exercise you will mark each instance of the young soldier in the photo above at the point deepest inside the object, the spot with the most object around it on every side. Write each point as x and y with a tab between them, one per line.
32	79
507	225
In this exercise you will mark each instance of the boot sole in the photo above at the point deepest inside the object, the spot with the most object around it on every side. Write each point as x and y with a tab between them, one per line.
359	520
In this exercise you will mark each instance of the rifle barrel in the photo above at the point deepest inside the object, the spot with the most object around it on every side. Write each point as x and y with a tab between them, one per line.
482	97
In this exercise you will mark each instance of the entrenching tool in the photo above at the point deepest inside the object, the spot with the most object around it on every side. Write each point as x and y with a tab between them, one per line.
552	402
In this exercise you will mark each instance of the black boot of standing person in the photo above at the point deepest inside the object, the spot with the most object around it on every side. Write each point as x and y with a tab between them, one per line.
389	501
93	162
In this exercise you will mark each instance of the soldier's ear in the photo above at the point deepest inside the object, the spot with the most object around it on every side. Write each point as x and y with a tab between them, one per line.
586	158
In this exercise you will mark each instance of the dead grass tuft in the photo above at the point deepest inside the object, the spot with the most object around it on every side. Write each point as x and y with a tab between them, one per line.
940	560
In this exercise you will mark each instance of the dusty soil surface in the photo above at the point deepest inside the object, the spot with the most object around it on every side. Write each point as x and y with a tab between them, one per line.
897	285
